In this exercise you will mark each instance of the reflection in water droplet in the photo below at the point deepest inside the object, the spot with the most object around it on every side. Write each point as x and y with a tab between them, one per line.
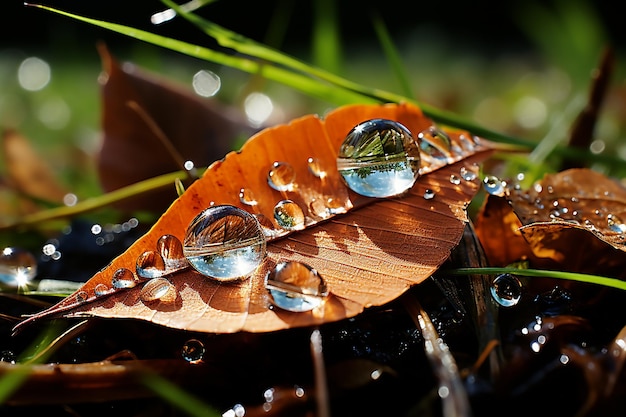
81	296
123	278
17	266
468	174
379	158
246	197
225	243
193	351
429	194
615	223
289	215
281	176
506	290
315	167
101	290
435	144
454	179
297	287
171	250
494	185
150	264
158	289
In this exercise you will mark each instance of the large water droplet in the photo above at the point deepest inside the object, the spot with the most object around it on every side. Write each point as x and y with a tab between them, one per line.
160	289
379	158
193	351
17	266
296	287
281	176
225	243
289	215
123	278
506	290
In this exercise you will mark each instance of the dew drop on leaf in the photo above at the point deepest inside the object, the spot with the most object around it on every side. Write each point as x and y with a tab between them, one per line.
225	243
506	290
494	185
160	289
123	278
150	264
297	287
281	176
289	215
379	158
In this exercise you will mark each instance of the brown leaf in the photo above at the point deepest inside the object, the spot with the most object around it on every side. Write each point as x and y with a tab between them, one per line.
152	126
368	256
27	171
568	221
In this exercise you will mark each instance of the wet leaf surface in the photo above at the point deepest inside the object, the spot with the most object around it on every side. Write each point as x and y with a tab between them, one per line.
367	256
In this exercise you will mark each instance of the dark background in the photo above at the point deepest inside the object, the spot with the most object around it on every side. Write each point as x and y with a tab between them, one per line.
483	24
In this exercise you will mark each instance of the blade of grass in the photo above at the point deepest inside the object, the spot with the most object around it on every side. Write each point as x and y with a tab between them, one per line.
178	397
544	273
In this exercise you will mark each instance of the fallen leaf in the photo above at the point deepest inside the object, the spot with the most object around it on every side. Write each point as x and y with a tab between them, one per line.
151	126
570	221
367	256
27	171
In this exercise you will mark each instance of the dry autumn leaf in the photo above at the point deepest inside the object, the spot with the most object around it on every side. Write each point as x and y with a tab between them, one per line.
541	223
351	251
142	111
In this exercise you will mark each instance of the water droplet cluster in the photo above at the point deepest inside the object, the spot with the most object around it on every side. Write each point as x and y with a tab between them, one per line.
379	158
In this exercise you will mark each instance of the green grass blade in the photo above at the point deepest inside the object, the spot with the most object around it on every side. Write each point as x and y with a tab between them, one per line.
178	397
544	273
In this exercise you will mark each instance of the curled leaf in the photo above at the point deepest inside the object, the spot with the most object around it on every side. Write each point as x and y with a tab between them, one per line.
367	251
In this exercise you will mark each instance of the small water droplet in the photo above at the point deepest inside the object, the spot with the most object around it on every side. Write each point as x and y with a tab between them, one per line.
379	158
281	176
225	243
81	296
454	179
468	174
160	289
193	351
316	168
289	215
297	287
429	194
494	185
171	250
435	144
123	278
506	290
101	290
246	197
615	223
17	266
150	264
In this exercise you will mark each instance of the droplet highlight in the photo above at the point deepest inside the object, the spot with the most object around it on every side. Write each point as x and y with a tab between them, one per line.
506	290
281	176
296	287
225	243
17	266
289	215
379	158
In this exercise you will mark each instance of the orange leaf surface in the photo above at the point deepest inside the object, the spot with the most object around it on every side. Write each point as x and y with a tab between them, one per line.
368	250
